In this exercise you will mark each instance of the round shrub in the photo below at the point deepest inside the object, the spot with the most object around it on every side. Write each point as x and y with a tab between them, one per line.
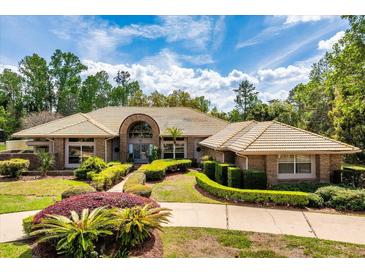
343	198
14	167
315	200
138	189
76	190
92	201
94	163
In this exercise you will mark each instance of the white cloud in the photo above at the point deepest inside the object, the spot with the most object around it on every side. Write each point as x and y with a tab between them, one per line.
294	19
327	44
284	74
97	40
199	82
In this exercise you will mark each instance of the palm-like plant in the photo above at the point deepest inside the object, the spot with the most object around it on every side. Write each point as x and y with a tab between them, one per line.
46	161
134	225
76	236
174	133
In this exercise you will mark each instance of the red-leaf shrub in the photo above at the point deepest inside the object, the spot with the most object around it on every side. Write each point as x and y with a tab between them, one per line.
93	200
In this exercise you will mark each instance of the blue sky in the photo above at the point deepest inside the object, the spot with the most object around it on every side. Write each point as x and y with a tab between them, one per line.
205	55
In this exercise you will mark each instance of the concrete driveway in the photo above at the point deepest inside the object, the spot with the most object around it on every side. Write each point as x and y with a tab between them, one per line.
334	227
342	228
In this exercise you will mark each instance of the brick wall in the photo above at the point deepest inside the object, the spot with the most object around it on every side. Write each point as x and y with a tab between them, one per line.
100	148
335	162
240	162
324	167
190	147
271	169
257	162
59	150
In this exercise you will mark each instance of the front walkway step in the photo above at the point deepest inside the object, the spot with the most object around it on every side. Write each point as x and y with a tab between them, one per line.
119	187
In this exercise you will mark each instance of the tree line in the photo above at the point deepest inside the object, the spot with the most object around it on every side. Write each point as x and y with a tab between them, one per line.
331	103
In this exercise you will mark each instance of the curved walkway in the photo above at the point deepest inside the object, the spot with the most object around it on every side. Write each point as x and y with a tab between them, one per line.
292	222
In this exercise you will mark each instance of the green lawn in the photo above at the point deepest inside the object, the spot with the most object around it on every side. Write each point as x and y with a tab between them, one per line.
32	195
179	188
354	167
185	242
2	147
15	250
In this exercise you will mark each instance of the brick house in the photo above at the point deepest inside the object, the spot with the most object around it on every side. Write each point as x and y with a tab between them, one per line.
130	133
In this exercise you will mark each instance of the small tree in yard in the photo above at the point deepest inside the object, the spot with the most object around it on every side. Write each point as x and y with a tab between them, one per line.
174	133
46	161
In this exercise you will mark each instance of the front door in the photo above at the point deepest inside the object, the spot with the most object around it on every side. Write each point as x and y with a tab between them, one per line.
140	153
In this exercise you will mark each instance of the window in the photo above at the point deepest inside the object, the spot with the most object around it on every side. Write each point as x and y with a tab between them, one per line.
140	130
168	149
296	166
78	151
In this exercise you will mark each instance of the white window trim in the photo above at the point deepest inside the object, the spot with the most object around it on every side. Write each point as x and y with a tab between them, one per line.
172	142
294	175
67	151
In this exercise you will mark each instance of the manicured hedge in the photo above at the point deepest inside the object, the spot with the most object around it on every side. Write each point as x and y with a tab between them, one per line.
209	169
302	186
158	168
251	195
221	173
234	177
135	184
14	167
91	164
109	176
92	201
77	190
254	179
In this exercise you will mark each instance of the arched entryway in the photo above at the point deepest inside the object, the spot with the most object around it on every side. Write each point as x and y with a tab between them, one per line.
138	134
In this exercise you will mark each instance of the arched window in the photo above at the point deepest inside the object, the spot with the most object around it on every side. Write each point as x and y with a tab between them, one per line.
140	130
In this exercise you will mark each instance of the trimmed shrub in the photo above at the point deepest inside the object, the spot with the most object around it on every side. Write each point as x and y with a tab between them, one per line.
136	184
343	198
92	201
302	186
315	200
234	177
251	195
14	167
158	168
209	169
254	179
28	225
221	173
138	189
109	176
136	178
153	173
77	190
94	164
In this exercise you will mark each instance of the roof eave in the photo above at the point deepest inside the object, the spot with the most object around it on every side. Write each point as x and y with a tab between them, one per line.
298	151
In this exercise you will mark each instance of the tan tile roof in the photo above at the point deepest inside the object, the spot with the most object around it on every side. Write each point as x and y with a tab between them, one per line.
105	122
273	137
